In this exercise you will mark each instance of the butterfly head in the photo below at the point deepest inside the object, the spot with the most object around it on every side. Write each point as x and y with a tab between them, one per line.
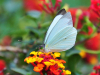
42	48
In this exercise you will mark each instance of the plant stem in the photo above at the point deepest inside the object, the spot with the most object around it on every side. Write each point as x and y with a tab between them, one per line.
76	22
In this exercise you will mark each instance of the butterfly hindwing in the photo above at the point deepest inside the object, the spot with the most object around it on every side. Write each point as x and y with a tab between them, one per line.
64	40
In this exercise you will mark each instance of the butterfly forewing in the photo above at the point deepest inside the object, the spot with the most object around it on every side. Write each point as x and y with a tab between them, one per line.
56	19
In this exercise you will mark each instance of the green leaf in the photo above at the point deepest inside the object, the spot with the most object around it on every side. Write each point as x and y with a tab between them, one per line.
85	28
35	31
72	62
71	52
53	1
34	14
76	3
21	71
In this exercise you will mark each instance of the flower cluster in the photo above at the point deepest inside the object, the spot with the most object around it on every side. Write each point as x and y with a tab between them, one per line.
49	8
95	6
47	63
97	70
42	5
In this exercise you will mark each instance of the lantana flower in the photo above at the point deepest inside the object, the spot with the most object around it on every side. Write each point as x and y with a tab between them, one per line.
47	63
97	70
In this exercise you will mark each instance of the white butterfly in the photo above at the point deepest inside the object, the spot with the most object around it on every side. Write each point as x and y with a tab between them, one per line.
61	34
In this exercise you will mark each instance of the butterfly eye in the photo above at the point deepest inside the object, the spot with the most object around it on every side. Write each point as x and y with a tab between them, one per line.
41	47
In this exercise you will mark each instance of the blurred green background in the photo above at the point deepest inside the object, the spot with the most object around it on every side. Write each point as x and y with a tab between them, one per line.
23	33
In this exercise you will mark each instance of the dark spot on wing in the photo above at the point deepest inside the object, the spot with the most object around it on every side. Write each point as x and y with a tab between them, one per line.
61	12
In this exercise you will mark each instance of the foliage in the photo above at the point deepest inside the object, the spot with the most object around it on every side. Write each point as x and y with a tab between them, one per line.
22	30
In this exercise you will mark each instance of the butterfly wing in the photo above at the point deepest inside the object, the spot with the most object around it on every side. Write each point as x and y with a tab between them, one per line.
61	35
64	40
56	19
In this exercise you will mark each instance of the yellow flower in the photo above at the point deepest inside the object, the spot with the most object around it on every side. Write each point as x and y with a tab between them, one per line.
48	63
34	53
39	53
52	61
66	72
82	54
61	65
30	60
56	55
39	59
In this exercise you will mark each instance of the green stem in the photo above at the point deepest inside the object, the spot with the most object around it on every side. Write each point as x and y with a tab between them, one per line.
76	22
43	73
99	57
80	47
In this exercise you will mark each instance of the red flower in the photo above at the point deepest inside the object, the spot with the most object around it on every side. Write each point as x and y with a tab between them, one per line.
42	5
32	5
93	43
91	58
81	17
1	73
95	6
54	69
49	8
90	31
2	67
96	67
93	73
97	70
85	12
6	41
73	12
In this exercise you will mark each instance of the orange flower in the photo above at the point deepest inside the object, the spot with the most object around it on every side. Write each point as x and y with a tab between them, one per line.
38	68
54	69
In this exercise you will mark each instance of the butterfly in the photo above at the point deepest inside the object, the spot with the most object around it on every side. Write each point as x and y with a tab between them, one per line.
61	34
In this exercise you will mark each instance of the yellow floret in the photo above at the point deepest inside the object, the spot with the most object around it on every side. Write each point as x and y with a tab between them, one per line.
34	53
66	72
56	55
48	63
